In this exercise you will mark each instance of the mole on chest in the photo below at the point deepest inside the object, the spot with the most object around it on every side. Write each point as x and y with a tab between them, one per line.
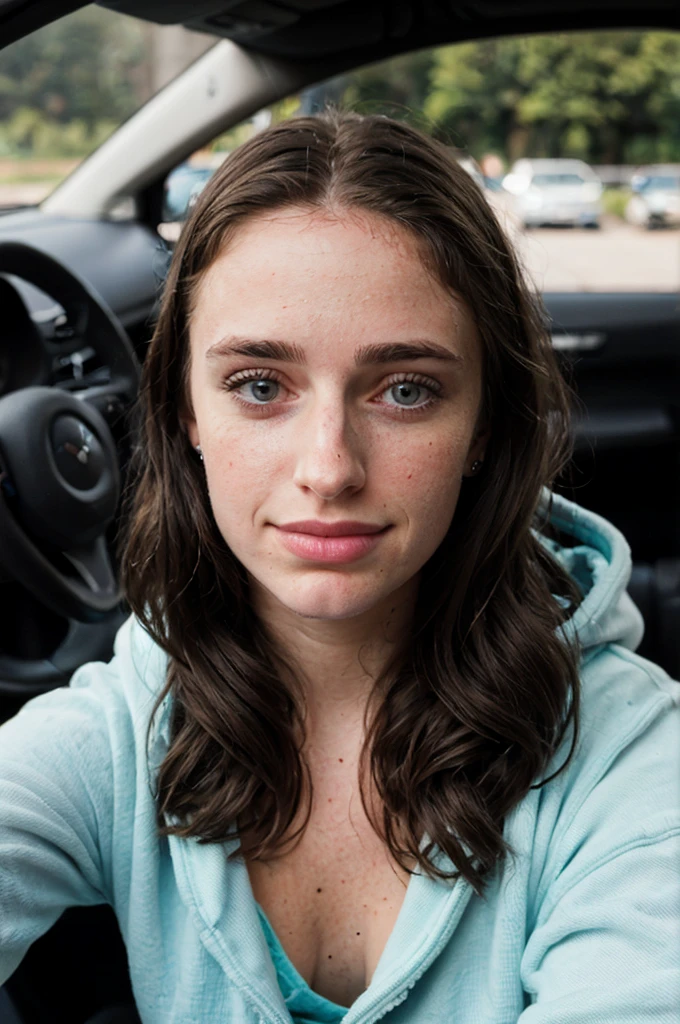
333	902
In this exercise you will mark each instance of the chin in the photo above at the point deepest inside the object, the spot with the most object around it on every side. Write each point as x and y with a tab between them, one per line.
330	614
330	599
331	609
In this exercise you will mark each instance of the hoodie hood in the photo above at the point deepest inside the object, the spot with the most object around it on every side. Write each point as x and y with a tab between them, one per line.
597	557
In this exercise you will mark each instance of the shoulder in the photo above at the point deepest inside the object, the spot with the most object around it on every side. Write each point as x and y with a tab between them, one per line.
604	888
621	789
100	716
630	723
630	711
74	794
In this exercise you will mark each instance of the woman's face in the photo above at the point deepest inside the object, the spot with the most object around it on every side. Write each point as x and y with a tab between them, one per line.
336	387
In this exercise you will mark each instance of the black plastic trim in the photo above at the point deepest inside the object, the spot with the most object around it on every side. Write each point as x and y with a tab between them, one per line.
18	18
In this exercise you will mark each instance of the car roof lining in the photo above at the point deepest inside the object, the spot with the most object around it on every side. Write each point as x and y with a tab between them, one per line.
352	32
18	18
361	31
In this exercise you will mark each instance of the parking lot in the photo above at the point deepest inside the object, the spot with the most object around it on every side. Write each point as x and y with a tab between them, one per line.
617	258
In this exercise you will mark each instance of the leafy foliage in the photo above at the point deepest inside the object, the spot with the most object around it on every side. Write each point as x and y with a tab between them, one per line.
65	87
608	97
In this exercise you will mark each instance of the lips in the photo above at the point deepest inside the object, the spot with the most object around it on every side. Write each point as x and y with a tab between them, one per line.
344	528
330	543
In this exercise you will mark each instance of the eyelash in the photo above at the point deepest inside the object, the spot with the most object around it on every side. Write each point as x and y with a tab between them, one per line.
237	380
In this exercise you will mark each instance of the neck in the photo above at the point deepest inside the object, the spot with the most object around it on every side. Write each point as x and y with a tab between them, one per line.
337	661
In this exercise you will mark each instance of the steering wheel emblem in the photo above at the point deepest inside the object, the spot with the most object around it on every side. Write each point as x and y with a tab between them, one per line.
80	453
77	452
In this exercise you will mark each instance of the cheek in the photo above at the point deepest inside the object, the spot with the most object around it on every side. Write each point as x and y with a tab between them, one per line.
426	478
239	475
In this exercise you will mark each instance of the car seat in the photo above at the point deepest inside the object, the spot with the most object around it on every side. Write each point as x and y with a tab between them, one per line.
72	974
655	589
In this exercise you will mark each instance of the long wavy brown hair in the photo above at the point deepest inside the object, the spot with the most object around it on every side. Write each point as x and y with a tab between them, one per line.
467	719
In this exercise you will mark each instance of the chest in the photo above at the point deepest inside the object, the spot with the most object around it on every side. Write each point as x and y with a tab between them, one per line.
333	900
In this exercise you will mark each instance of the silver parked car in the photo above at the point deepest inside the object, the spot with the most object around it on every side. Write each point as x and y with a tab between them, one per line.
656	196
555	191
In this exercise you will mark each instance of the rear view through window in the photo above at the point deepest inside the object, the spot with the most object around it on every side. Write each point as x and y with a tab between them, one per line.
574	138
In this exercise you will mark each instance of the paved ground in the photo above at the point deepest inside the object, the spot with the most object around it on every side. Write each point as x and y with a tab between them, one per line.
19	194
618	257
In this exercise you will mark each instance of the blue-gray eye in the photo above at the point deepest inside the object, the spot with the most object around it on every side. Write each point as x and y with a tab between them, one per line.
263	390
406	393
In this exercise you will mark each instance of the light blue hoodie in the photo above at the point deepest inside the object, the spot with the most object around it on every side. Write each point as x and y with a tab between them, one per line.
582	927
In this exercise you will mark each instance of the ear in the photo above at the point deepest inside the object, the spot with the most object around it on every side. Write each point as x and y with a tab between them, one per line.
477	451
191	430
187	422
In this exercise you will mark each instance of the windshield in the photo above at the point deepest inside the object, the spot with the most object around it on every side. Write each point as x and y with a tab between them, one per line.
67	87
548	180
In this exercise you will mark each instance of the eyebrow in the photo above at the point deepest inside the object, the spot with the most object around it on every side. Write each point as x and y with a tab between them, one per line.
365	355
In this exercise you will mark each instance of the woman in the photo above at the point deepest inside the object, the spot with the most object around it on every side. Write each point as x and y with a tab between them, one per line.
374	742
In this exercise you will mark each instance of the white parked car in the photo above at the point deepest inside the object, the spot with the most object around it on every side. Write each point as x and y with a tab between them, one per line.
656	199
555	191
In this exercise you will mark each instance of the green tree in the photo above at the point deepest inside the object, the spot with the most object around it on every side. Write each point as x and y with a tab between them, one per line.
610	97
79	68
398	87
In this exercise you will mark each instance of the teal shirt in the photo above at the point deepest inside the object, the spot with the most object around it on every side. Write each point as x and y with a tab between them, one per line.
580	925
304	1004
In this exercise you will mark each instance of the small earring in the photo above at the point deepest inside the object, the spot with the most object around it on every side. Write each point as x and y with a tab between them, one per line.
198	449
476	466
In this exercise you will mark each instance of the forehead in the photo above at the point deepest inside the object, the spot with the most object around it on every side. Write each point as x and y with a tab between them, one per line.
334	280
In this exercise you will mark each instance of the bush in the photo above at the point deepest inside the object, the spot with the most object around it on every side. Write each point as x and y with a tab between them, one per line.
29	133
615	200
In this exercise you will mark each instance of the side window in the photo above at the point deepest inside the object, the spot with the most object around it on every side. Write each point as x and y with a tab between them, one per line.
67	87
574	138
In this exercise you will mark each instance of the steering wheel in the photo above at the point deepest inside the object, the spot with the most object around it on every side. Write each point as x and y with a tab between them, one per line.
60	475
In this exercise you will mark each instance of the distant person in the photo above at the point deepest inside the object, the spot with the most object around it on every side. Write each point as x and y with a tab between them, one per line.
374	744
492	166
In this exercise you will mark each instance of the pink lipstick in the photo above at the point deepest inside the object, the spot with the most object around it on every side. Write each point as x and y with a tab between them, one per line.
336	542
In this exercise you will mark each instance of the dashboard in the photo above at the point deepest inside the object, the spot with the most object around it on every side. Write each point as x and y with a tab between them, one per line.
115	257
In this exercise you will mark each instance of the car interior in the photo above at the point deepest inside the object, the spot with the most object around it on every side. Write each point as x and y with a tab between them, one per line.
79	294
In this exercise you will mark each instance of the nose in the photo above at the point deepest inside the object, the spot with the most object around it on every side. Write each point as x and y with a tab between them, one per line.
329	458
